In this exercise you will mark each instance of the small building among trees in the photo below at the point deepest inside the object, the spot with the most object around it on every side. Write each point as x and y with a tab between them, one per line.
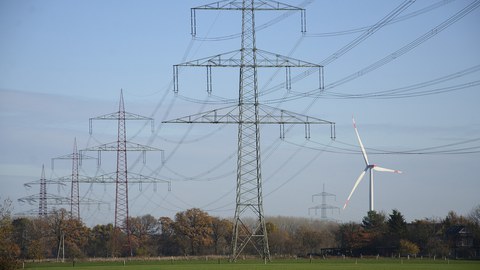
460	242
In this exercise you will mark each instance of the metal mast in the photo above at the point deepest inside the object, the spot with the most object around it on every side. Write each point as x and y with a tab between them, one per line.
42	202
249	198
121	193
249	176
43	198
121	147
324	206
75	189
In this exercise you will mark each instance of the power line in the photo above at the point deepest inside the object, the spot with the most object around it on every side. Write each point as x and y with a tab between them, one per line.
432	150
396	20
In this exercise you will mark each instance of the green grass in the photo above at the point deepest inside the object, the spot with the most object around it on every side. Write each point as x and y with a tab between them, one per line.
300	264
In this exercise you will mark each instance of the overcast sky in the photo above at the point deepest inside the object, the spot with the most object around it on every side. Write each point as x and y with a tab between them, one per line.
412	87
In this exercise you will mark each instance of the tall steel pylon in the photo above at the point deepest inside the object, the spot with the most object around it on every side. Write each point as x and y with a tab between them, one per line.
324	206
43	198
42	203
74	180
121	193
121	176
249	198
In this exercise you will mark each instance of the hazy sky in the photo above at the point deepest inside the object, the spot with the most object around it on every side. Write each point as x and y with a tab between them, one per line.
412	86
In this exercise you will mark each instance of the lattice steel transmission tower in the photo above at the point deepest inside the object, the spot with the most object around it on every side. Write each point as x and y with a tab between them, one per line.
42	203
43	198
248	114
324	206
121	176
76	158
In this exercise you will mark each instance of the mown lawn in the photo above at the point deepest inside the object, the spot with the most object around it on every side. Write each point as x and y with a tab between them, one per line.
301	264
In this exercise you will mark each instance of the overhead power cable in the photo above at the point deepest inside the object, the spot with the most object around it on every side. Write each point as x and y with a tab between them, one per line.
435	31
387	59
406	91
388	18
399	19
432	150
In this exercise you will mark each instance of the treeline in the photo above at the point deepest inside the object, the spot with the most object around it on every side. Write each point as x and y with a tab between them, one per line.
195	232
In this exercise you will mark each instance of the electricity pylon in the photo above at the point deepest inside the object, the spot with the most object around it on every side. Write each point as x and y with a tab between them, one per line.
249	198
75	188
45	199
324	206
42	198
121	176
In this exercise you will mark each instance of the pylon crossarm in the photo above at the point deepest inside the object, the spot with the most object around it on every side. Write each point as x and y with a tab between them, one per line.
271	115
58	200
121	115
232	59
323	194
264	59
226	115
80	156
48	182
324	206
113	146
237	5
268	115
118	115
52	199
133	178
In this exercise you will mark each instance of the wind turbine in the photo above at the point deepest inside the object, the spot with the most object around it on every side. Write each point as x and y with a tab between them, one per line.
369	167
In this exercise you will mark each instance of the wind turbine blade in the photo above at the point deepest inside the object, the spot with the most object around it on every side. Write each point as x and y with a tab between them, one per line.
359	179
364	153
381	169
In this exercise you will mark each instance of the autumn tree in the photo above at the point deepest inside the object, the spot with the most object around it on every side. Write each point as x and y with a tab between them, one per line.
9	250
408	248
195	227
222	230
21	233
375	227
39	239
352	237
281	242
309	239
100	241
145	230
421	233
75	235
474	215
474	218
168	241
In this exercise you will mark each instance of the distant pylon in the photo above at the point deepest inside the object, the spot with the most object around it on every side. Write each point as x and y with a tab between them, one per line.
43	198
324	206
42	202
121	194
76	159
75	189
121	147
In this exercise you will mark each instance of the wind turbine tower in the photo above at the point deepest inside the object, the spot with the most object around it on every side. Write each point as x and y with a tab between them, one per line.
370	168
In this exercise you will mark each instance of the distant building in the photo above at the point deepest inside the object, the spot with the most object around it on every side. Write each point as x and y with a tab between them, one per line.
460	242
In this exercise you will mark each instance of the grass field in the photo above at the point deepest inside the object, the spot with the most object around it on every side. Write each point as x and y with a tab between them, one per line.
301	264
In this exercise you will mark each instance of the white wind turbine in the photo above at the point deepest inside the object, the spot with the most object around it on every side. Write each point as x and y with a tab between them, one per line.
371	167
